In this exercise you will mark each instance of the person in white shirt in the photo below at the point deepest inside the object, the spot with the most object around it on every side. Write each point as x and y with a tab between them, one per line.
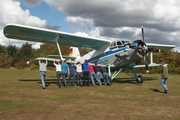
79	73
57	64
42	70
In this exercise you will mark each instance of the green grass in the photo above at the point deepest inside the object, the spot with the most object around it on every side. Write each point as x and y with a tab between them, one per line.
22	97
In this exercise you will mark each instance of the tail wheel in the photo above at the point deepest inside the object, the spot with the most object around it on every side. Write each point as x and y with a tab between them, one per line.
140	79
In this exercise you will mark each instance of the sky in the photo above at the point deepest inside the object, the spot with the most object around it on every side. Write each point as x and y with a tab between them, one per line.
107	19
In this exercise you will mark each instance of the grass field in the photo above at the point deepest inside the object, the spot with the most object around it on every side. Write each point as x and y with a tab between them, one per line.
21	97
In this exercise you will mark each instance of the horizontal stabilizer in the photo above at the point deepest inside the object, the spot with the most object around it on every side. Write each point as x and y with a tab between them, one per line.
58	57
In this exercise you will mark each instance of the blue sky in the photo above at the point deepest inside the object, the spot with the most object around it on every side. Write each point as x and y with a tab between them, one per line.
44	11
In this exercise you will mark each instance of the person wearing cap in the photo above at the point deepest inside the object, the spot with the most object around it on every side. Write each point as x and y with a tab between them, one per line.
42	69
164	77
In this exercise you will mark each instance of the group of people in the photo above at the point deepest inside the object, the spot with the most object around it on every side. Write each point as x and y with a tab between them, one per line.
84	73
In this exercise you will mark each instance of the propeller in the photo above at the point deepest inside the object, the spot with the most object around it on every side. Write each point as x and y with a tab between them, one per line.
145	51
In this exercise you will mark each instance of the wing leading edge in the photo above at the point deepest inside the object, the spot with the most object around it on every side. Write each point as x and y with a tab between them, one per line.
160	46
34	34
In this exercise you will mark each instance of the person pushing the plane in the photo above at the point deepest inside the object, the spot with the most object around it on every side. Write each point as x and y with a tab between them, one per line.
42	69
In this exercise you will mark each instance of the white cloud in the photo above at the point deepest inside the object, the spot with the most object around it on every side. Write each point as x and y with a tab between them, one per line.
106	18
11	12
79	23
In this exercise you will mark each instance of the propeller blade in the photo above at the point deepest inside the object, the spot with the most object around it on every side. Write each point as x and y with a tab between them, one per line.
145	51
142	28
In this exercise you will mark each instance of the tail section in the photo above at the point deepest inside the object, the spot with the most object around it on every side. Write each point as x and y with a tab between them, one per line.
74	52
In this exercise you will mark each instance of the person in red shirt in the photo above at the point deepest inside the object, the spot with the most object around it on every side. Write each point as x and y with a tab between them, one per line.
92	74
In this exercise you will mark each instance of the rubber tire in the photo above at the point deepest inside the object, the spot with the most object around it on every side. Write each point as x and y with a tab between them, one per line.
142	79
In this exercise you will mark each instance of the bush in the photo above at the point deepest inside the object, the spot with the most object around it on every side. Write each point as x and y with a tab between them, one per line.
20	64
33	67
5	60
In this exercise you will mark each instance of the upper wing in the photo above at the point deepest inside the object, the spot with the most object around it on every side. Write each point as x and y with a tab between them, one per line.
159	46
34	34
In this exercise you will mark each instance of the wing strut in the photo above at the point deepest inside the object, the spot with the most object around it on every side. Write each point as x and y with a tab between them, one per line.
56	40
151	58
109	70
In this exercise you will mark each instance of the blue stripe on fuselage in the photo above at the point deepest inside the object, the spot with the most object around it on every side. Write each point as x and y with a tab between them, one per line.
104	56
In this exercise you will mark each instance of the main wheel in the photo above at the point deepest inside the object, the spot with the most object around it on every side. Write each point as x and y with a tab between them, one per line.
140	79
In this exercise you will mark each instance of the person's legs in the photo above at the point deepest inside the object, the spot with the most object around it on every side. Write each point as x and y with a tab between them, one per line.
107	79
163	84
84	78
58	76
104	77
92	78
72	80
80	78
42	76
98	78
87	76
64	78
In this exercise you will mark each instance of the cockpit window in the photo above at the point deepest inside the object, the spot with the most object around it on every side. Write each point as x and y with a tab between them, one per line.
118	44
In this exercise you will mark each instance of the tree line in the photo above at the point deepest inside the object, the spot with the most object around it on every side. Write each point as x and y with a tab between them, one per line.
13	56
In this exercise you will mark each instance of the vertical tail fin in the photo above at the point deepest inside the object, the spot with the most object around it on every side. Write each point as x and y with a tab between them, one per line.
74	52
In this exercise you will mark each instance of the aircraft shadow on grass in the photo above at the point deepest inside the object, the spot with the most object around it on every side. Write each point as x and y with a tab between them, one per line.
53	80
132	81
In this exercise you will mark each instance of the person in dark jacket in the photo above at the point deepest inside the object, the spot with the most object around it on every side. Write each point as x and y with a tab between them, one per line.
105	76
98	73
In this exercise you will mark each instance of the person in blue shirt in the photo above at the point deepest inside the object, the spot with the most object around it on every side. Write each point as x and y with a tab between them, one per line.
85	67
65	72
72	74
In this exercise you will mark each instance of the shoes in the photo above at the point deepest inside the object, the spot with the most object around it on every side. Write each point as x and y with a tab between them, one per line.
166	91
43	88
100	84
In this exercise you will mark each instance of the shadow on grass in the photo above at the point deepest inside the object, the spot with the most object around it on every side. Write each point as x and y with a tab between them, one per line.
47	81
132	80
156	90
116	80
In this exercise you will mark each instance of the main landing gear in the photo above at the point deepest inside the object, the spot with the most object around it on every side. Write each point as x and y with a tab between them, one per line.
131	72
